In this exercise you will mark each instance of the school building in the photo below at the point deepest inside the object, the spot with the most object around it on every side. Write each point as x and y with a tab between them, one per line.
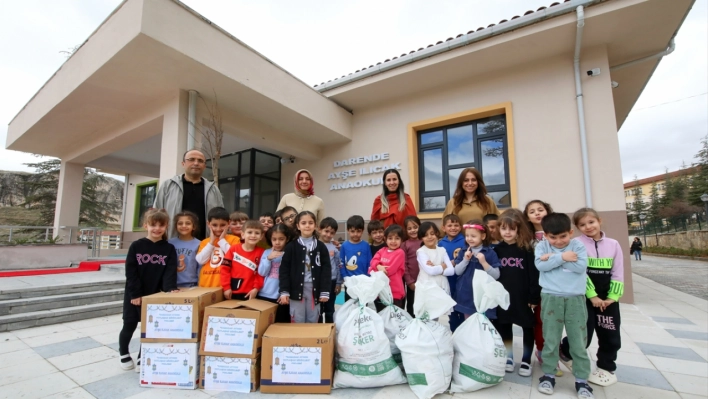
534	102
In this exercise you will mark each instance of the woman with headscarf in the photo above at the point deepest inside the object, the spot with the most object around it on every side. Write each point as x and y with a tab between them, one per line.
304	198
393	205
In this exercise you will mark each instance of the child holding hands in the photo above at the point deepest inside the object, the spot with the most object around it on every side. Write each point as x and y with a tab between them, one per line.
392	261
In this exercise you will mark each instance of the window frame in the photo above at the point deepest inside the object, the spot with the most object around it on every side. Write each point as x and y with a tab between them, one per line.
138	197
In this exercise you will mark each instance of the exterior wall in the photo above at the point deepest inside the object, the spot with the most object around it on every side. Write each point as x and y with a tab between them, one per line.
129	233
685	240
29	257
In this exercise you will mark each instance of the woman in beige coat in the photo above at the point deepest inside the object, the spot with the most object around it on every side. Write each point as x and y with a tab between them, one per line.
304	198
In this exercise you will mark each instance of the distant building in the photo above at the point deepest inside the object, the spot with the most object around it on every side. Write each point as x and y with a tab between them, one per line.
643	186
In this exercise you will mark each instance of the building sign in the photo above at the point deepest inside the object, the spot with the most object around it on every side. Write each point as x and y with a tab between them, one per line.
352	171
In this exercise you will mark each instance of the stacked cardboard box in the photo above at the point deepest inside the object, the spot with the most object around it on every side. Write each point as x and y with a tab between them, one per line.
169	335
230	348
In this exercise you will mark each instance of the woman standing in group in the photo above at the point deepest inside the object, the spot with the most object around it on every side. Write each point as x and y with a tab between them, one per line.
304	198
393	205
470	200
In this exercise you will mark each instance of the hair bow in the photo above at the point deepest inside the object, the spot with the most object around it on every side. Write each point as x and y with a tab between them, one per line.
473	226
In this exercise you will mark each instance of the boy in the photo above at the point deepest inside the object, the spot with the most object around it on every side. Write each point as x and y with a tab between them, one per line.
287	216
267	221
452	225
376	232
328	228
239	270
355	254
212	249
563	262
236	221
491	220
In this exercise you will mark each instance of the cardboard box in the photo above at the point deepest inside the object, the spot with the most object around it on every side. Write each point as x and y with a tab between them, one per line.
298	358
169	365
235	328
230	374
176	317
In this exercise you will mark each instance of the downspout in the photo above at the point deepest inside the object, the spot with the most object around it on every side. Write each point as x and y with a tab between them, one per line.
669	50
191	119
581	107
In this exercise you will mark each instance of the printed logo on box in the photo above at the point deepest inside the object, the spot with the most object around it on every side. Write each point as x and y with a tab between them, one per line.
169	321
297	365
230	335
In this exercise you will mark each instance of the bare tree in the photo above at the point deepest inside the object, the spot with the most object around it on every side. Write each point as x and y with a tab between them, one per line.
212	134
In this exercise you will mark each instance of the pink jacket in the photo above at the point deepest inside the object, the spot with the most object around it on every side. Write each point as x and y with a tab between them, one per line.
396	266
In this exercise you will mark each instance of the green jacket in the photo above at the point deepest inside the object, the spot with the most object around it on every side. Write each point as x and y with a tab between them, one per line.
169	196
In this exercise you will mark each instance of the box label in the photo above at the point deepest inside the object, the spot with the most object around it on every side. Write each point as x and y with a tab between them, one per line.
297	365
169	366
169	321
227	374
230	335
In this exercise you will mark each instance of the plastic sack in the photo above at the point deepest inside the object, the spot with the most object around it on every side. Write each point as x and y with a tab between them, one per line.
480	355
394	318
426	345
363	354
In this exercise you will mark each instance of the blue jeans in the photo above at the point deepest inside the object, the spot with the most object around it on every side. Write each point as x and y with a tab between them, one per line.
637	255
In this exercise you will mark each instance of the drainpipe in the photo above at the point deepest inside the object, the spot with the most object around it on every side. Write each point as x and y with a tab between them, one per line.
581	108
669	50
191	119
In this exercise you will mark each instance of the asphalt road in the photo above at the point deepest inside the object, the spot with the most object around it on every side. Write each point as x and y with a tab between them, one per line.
688	276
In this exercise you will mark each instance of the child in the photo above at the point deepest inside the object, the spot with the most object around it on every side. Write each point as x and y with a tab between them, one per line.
287	216
476	256
305	273
239	270
236	221
277	217
491	221
519	276
605	286
392	261
150	267
433	262
269	269
410	247
355	253
186	246
562	262
328	229
636	248
453	241
267	221
376	233
212	249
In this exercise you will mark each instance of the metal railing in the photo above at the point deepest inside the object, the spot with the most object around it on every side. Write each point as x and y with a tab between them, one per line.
25	233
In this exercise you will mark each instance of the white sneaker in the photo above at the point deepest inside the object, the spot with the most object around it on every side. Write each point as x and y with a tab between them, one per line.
509	366
127	364
525	369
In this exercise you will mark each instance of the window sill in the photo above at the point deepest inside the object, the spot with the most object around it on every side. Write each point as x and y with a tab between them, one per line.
430	215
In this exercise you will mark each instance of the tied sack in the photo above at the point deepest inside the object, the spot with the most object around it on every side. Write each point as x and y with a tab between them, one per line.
394	318
426	345
480	355
363	354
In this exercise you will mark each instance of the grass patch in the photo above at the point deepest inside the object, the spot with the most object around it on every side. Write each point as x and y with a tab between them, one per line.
18	216
702	253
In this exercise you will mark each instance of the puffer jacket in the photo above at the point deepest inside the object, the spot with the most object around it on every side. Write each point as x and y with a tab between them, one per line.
169	197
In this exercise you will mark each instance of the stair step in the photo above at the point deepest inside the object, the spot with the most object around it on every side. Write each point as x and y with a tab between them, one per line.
56	316
34	292
24	305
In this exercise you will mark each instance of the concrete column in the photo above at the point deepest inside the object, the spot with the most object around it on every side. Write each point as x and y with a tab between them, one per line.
174	136
71	180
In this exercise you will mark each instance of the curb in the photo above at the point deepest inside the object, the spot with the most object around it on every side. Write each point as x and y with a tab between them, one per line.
698	258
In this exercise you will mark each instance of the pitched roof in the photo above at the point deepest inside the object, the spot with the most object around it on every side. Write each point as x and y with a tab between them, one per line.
649	180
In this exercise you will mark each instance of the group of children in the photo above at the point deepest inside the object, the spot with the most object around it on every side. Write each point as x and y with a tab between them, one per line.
554	281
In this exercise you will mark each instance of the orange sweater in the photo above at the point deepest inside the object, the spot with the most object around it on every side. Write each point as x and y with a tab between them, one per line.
210	258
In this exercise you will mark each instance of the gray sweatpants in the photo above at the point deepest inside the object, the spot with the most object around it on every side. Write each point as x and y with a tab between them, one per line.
305	310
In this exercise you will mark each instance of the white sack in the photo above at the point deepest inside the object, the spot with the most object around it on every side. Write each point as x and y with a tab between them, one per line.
394	318
426	345
480	355
363	354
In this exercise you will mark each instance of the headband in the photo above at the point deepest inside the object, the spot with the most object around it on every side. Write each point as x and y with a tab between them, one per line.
473	226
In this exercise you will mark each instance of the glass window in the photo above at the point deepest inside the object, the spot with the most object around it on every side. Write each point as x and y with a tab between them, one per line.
266	195
432	160
228	166
460	145
245	162
146	198
244	195
492	154
434	203
228	192
453	175
501	198
267	164
494	125
430	138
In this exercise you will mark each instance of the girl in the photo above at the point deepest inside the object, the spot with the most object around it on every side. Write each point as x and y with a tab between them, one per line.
150	267
433	262
305	271
287	216
604	289
278	236
392	261
519	276
410	246
478	255
636	248
186	246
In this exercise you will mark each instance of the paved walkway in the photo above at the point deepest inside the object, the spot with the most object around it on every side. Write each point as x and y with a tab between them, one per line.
664	355
689	276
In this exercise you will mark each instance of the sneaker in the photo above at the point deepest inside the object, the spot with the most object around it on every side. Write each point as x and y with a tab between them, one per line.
525	369
509	366
126	362
546	384
137	366
602	377
584	390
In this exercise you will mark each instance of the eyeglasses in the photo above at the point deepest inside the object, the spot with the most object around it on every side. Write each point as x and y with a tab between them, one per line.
289	218
195	160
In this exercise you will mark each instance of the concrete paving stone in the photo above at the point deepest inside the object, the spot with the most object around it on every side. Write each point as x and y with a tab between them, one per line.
503	390
78	359
95	371
670	352
516	379
346	393
26	371
257	394
102	328
634	359
688	383
38	387
150	393
94	322
132	348
118	387
76	393
12	359
12	346
49	339
690	396
701	336
7	336
680	366
688	276
43	330
623	391
656	336
67	347
642	377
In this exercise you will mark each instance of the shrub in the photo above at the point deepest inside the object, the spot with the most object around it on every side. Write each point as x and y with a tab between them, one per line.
677	251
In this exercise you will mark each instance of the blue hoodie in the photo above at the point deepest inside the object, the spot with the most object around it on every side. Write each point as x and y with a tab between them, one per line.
558	277
270	270
355	258
450	247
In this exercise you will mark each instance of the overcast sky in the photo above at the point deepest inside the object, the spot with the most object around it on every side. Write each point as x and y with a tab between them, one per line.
320	40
